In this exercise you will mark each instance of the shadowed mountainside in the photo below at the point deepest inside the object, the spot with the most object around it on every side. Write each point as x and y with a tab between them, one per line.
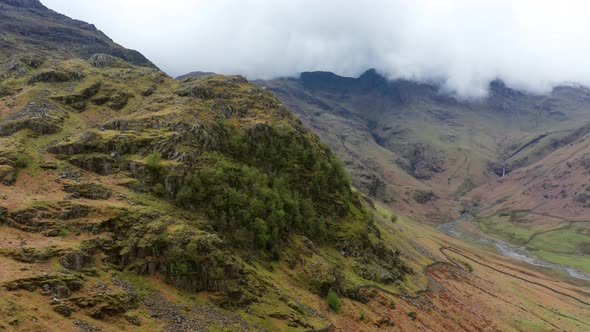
27	26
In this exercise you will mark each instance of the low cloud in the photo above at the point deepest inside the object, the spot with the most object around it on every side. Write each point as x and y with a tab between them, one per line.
531	45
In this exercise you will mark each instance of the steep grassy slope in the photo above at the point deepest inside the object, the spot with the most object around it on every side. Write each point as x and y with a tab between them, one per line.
402	140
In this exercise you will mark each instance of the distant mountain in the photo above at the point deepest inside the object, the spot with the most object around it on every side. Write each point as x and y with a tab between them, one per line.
417	148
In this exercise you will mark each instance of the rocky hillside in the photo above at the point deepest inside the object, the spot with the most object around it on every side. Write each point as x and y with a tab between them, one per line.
110	169
412	146
28	27
130	201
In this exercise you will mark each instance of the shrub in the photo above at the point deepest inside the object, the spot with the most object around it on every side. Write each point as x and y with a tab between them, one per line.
412	315
154	162
159	189
391	305
63	232
21	160
333	301
184	196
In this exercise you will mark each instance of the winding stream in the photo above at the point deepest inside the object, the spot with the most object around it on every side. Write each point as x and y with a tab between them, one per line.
519	253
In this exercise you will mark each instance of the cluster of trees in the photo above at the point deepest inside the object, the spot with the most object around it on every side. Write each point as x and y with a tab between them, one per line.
268	183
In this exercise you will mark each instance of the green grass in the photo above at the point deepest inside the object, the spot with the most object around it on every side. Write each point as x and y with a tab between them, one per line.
577	262
564	241
501	227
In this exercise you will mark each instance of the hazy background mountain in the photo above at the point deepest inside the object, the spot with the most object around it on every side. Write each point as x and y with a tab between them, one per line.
462	45
419	149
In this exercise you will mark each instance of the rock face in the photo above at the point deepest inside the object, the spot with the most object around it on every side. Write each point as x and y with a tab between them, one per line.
102	60
88	190
42	118
55	76
76	260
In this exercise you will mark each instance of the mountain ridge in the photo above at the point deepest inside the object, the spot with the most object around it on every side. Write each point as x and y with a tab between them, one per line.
29	27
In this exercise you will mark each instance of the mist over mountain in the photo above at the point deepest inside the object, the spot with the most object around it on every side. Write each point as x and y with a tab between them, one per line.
462	44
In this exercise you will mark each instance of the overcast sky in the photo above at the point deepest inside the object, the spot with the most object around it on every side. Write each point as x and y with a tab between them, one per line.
531	45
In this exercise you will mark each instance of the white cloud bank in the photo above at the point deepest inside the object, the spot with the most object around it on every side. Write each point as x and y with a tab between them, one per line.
531	45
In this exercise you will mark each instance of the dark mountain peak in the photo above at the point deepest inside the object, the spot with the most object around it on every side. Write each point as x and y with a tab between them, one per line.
370	73
24	3
499	87
401	91
371	79
325	80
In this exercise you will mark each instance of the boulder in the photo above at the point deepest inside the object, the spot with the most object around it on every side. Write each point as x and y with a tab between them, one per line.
75	260
63	310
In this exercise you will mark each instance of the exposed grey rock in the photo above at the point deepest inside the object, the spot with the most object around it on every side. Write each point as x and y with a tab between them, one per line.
63	310
75	260
101	60
55	76
88	190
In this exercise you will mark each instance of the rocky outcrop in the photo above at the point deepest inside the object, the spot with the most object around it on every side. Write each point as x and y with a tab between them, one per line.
33	219
42	118
101	60
33	255
100	164
69	211
105	305
78	100
55	76
195	90
63	309
76	260
60	285
114	98
88	190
